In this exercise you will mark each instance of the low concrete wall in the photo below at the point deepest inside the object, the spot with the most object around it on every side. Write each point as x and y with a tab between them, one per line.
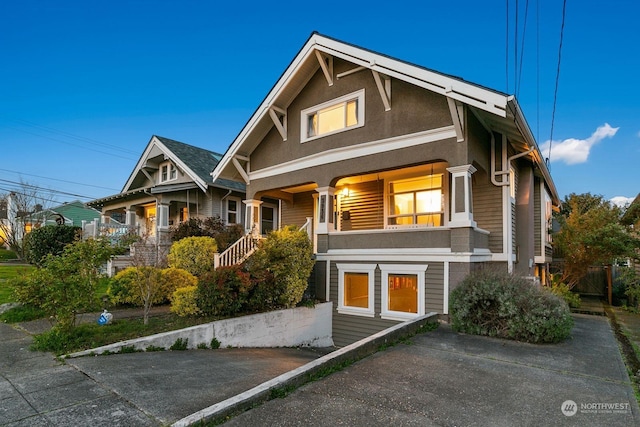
293	327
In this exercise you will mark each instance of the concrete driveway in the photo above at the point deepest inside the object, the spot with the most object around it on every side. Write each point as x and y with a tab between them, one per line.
450	379
442	378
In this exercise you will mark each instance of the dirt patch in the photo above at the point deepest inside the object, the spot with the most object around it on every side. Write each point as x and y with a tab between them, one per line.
628	352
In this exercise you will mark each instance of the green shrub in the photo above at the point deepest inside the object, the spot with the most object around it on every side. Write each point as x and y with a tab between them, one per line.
224	291
194	254
215	344
129	285
562	290
214	227
50	239
506	306
180	344
183	301
174	278
66	284
5	254
287	256
133	284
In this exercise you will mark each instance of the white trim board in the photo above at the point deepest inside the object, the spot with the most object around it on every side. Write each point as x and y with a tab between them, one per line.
355	151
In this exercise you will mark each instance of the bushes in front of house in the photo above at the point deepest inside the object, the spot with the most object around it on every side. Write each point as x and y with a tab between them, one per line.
506	306
133	285
274	277
194	254
48	240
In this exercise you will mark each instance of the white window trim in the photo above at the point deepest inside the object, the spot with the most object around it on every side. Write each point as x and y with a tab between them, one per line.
400	176
304	114
417	269
238	210
356	268
169	166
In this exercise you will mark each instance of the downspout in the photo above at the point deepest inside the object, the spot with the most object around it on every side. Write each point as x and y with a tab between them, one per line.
505	161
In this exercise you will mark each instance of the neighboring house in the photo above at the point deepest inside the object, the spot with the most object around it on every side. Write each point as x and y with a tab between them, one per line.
411	180
170	184
632	217
73	213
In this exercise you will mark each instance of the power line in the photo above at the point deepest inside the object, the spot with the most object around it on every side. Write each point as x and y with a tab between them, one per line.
69	143
22	185
71	135
59	180
555	93
524	33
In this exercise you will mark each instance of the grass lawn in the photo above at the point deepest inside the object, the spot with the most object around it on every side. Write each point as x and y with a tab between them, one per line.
6	255
10	271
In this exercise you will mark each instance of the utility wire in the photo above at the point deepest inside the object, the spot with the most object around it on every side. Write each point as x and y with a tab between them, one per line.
69	143
22	185
524	33
555	93
60	180
71	135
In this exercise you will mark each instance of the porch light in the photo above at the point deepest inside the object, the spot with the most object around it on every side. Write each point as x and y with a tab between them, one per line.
345	191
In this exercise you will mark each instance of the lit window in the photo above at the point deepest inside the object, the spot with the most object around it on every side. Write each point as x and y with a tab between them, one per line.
416	201
402	291
332	117
356	289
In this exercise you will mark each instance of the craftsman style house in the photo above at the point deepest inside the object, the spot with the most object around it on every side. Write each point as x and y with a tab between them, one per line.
406	179
170	184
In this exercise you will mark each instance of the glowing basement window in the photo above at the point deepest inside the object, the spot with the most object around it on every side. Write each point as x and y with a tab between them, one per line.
356	289
331	117
402	291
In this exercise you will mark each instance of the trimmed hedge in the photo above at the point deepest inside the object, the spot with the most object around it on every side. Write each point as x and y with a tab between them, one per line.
506	306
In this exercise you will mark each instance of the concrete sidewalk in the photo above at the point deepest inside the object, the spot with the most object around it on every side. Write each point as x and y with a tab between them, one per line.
443	378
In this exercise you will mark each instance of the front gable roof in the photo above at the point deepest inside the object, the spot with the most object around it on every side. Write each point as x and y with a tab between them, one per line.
495	110
194	162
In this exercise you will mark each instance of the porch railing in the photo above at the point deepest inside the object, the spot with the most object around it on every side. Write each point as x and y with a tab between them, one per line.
237	253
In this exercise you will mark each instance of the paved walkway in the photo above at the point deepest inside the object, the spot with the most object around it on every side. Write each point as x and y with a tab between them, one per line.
443	378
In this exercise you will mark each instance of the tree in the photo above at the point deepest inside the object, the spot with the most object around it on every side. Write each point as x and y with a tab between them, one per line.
50	239
26	200
66	284
591	233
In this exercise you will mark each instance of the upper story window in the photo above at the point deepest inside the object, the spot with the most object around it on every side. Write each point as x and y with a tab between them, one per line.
416	201
168	172
338	115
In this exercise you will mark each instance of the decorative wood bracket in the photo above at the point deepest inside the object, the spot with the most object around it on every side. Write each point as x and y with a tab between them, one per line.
279	117
243	173
326	63
457	110
383	83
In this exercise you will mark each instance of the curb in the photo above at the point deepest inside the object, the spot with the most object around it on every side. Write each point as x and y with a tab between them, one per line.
306	373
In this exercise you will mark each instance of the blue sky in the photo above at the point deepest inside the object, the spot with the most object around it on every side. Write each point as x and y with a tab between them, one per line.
85	84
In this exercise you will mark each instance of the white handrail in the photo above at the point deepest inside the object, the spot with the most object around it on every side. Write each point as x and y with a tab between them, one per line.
238	252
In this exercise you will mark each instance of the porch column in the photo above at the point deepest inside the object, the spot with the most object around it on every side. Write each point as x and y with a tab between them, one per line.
252	216
130	218
461	201
325	209
162	216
